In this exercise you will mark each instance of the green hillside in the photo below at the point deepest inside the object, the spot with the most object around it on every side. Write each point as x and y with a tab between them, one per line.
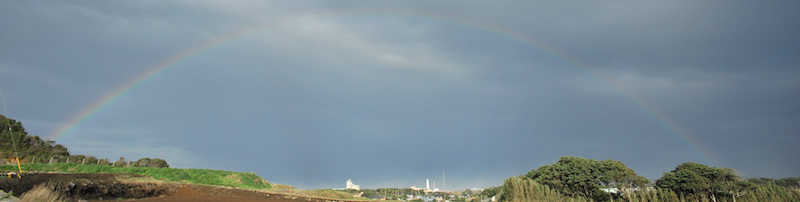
194	176
41	155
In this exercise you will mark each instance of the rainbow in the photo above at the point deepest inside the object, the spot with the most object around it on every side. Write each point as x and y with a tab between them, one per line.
670	124
109	97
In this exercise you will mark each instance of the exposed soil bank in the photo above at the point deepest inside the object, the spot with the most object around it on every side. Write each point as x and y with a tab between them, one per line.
85	186
107	187
195	193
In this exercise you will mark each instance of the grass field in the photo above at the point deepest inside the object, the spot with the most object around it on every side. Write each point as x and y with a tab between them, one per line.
316	193
232	179
193	176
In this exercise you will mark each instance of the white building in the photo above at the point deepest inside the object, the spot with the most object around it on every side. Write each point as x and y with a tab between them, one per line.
427	184
427	188
350	185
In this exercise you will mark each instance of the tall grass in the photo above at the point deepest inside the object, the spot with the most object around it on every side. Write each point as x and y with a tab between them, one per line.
194	176
519	189
759	194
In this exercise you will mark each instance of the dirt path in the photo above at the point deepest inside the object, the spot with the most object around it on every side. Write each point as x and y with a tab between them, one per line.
189	193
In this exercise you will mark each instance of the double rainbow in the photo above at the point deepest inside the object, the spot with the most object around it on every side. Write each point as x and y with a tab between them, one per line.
159	67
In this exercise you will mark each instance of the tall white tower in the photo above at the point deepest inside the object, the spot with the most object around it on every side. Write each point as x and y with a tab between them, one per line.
427	184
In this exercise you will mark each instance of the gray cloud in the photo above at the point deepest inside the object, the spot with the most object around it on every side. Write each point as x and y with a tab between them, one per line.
389	93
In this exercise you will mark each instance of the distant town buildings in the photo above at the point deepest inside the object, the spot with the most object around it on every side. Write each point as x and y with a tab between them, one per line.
427	187
350	185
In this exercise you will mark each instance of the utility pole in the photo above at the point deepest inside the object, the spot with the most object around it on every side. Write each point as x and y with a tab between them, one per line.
444	178
16	153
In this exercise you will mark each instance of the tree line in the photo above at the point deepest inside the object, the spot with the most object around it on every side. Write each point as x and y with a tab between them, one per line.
582	179
16	142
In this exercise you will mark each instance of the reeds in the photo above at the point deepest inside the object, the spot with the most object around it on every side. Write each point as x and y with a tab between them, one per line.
521	189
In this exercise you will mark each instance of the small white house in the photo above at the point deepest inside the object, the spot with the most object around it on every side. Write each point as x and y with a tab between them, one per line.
350	185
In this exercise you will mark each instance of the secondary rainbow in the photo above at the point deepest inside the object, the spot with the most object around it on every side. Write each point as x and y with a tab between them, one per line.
109	97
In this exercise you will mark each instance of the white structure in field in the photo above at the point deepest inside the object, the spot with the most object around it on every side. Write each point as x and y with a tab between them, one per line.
427	184
350	185
427	187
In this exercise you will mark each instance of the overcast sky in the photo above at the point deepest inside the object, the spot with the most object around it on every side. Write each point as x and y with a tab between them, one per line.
310	93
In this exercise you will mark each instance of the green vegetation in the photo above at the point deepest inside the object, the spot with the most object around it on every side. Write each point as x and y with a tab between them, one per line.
520	189
332	194
789	182
15	141
694	178
579	179
569	179
394	193
491	191
194	176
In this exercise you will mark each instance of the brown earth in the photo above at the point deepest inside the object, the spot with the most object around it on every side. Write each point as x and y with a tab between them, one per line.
85	186
109	187
199	193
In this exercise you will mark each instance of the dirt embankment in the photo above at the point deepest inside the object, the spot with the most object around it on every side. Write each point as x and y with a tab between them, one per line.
108	187
85	186
195	193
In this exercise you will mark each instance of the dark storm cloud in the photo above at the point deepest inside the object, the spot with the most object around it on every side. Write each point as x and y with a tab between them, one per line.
389	93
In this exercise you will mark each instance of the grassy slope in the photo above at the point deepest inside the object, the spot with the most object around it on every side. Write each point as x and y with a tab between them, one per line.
194	176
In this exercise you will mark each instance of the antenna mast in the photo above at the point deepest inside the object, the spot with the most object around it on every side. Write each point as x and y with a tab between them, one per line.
444	178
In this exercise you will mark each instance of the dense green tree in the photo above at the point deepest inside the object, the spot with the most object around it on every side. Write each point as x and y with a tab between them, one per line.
154	162
584	177
571	175
694	178
616	174
12	133
15	141
158	163
684	181
143	162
